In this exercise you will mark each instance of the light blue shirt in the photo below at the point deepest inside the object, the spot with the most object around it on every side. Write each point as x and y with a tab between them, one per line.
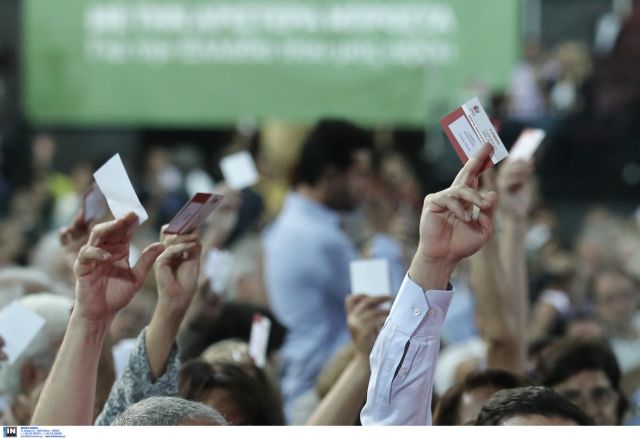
307	259
404	357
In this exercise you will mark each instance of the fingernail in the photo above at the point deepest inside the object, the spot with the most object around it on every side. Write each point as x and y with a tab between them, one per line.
104	256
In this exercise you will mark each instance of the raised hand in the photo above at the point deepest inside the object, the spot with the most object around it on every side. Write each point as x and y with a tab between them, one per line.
105	282
177	270
365	319
448	230
514	187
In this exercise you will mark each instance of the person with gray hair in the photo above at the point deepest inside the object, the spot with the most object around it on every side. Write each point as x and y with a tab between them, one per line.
168	411
22	379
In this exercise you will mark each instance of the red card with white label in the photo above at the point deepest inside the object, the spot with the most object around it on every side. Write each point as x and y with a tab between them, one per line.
194	213
527	144
468	128
259	339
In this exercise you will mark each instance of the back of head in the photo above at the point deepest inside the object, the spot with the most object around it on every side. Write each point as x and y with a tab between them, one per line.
528	403
448	409
168	411
331	143
41	351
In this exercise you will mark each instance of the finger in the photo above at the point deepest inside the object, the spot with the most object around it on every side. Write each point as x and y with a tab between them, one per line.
106	231
178	252
446	202
146	260
352	300
469	173
370	302
486	217
372	316
470	195
89	254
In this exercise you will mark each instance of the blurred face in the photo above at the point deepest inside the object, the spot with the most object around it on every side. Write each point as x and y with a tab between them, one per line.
345	189
471	404
616	300
591	391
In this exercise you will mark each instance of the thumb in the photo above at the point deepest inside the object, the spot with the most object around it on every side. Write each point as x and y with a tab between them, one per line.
146	260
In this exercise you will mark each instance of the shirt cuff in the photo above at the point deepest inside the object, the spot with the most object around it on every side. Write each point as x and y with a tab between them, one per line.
413	305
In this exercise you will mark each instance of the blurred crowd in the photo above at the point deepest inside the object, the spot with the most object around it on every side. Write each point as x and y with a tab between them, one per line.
148	328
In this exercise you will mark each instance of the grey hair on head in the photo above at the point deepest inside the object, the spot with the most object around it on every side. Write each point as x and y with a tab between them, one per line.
168	411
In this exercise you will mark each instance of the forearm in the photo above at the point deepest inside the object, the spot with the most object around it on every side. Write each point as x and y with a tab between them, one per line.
342	405
515	266
490	286
73	377
161	337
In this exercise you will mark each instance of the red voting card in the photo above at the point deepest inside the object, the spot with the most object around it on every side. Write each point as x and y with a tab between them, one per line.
193	213
468	128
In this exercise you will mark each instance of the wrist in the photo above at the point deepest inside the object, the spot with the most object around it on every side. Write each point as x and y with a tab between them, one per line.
93	330
431	273
167	318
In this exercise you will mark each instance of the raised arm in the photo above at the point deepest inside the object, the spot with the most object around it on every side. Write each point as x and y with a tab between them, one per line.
342	405
515	192
153	367
404	356
105	283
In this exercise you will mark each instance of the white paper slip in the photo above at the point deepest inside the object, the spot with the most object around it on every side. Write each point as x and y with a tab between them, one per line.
113	181
18	327
218	267
239	170
371	277
527	144
259	339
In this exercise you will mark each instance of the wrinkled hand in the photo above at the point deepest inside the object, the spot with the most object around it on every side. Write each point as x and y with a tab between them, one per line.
365	319
105	282
514	187
177	270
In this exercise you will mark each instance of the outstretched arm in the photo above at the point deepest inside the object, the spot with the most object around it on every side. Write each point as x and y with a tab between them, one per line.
153	366
105	283
344	401
404	357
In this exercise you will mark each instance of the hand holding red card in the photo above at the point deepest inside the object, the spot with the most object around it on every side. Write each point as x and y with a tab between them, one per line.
194	213
468	128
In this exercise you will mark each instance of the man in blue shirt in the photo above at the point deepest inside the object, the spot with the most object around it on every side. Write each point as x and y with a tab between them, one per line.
307	254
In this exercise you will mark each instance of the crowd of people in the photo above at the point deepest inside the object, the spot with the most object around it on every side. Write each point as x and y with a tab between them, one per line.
139	330
493	316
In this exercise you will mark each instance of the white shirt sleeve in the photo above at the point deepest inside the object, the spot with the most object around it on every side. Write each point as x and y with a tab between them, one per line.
404	357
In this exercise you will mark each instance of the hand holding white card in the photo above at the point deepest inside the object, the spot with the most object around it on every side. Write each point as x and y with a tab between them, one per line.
527	144
370	277
239	170
113	181
259	340
18	327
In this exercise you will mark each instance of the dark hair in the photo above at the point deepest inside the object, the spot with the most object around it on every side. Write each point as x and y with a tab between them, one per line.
533	400
448	409
570	356
331	143
251	393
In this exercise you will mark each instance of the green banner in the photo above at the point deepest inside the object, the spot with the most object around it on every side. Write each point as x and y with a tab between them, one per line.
211	62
